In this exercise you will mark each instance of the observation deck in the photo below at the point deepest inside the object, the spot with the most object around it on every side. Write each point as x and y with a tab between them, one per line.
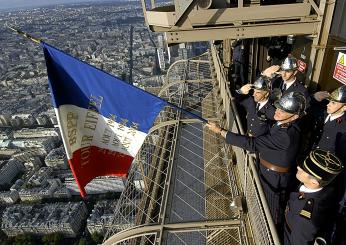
186	186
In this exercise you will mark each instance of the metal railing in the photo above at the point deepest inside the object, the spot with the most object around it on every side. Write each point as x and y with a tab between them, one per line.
262	225
183	187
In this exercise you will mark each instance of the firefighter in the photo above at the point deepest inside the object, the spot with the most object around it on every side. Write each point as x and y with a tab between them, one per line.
329	126
329	133
277	150
287	81
259	110
311	209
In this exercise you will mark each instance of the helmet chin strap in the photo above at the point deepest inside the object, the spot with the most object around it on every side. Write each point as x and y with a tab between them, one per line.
337	111
263	97
285	118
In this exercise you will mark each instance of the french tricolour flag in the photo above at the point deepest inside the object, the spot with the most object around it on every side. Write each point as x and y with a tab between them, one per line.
103	120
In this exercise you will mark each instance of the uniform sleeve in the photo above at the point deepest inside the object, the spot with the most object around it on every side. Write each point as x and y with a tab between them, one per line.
304	233
261	143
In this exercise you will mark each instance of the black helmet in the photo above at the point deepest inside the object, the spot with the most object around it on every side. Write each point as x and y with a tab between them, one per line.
323	165
261	83
338	95
293	102
289	64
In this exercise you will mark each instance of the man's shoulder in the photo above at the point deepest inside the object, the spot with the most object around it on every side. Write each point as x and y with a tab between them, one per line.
299	86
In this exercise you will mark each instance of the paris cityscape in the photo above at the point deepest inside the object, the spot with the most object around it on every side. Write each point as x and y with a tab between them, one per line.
39	199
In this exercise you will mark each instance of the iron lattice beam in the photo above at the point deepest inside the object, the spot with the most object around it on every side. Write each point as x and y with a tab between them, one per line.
249	31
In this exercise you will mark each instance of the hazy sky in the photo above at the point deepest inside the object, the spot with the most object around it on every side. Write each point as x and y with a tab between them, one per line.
8	4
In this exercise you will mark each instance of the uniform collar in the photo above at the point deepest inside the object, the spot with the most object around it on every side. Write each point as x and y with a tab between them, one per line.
331	118
304	189
262	103
289	84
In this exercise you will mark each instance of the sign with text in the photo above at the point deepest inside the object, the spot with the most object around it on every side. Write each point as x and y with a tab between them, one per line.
301	66
340	68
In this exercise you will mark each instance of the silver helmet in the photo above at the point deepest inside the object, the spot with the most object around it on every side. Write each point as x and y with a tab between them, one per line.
293	102
261	83
338	95
289	64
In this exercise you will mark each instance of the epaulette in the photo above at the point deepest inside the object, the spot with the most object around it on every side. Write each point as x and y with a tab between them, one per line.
284	125
307	210
339	120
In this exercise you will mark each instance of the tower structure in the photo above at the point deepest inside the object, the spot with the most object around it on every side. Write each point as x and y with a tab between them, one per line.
186	186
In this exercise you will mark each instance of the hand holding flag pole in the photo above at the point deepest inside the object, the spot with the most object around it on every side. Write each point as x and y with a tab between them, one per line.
102	119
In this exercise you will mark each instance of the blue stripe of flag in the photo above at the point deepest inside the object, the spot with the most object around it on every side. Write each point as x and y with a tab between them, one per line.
72	82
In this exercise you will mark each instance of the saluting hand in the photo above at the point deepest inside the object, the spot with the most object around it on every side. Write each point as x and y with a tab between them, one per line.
246	88
269	72
321	95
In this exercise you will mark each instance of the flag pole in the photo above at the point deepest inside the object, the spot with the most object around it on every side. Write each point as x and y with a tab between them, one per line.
39	40
24	34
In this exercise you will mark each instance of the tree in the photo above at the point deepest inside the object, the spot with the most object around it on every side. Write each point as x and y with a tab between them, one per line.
97	237
52	239
25	239
4	240
82	241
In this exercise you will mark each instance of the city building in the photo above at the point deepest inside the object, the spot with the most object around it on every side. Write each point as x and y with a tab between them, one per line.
98	185
42	219
38	193
57	159
36	133
9	170
101	217
9	197
41	146
40	177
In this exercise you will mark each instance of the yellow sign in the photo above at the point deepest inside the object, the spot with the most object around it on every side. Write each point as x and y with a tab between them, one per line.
340	68
341	60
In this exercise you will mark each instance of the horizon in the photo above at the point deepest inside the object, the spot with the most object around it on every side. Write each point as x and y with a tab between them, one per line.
26	4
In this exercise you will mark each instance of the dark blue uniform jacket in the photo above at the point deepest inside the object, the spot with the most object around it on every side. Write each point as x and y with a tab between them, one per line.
295	87
327	136
309	215
258	122
279	146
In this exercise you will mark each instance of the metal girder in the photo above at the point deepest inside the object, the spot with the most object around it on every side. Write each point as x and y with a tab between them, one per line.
248	31
166	16
185	121
216	17
170	84
319	43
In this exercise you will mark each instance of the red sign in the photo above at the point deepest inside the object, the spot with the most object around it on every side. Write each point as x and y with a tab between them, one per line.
301	66
340	68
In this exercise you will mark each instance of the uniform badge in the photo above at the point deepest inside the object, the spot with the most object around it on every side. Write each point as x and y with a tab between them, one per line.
301	195
307	210
339	120
285	125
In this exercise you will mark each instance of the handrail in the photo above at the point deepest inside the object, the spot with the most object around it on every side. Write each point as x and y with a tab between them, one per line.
230	109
